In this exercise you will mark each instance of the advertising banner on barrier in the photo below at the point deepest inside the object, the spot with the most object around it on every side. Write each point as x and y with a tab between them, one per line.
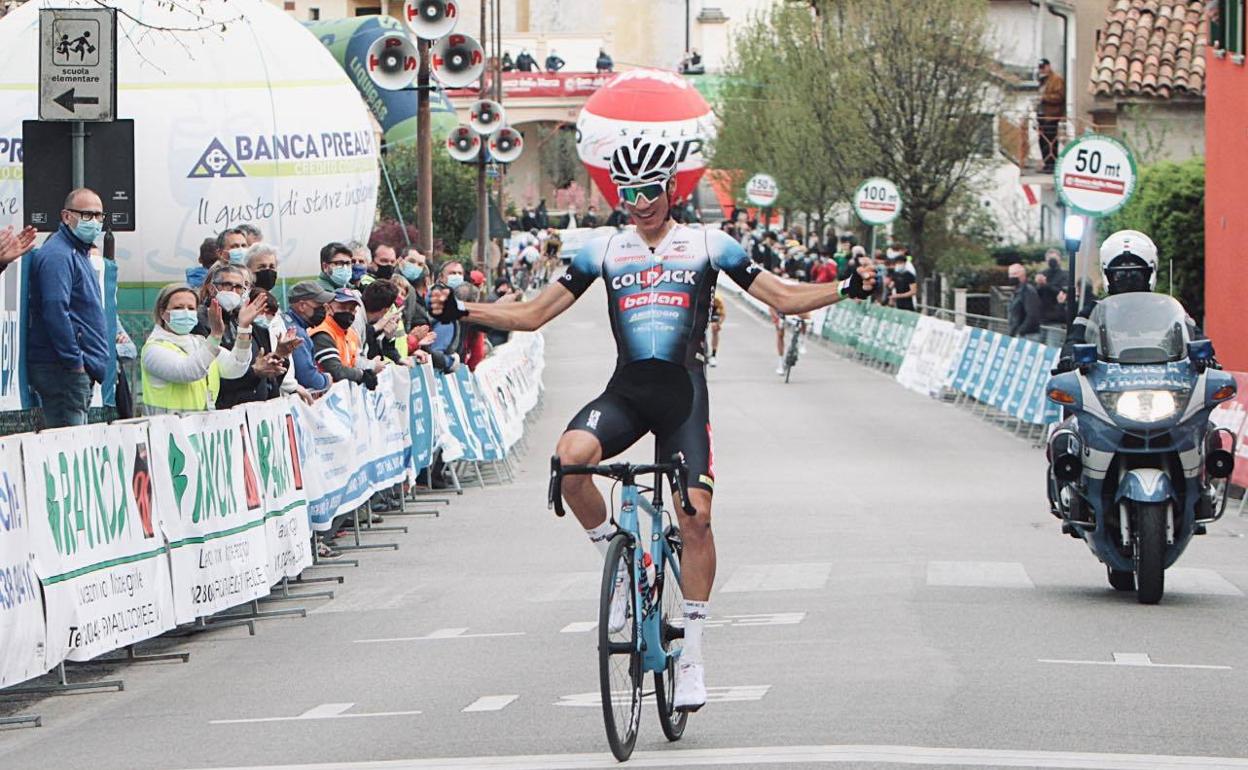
271	428
497	388
387	433
335	470
479	421
22	632
457	424
11	331
931	357
420	418
97	543
1233	415
212	511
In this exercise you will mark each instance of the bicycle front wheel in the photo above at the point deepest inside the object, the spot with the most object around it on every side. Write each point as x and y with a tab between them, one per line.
619	653
671	599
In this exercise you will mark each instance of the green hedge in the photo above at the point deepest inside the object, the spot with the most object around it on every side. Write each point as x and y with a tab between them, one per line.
1169	206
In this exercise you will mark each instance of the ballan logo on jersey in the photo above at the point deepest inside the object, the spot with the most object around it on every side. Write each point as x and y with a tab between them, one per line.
286	155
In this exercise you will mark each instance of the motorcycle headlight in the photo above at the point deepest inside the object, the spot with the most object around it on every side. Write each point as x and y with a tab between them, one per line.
1144	405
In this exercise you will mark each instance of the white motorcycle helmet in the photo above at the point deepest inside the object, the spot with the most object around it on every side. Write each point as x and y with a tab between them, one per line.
1129	262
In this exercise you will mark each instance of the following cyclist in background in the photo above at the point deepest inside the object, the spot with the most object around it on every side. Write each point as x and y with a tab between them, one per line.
777	320
718	312
659	280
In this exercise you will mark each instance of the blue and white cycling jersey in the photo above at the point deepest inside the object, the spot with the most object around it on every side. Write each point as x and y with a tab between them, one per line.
659	299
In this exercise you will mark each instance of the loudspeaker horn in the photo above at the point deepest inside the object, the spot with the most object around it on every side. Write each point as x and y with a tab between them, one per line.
506	145
393	62
457	60
486	116
430	19
463	144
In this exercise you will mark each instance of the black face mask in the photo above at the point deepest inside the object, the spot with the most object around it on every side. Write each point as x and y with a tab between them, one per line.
1127	279
266	279
384	272
344	319
318	317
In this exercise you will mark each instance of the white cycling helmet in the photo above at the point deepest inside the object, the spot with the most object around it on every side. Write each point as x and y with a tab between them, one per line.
641	162
1129	262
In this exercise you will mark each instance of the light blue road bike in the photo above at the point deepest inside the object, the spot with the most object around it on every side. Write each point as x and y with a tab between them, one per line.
645	585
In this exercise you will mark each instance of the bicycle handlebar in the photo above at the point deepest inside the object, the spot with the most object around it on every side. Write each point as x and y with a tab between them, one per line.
676	471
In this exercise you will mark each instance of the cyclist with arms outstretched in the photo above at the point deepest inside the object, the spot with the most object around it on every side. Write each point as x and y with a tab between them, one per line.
660	280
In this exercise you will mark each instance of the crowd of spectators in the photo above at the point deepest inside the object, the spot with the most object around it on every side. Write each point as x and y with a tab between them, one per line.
222	337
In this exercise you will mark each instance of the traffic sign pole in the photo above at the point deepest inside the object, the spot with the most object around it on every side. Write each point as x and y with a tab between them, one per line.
78	148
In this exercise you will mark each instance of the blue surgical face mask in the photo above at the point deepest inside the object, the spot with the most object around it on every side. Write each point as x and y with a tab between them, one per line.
340	275
454	281
238	256
262	321
182	321
412	271
357	272
88	231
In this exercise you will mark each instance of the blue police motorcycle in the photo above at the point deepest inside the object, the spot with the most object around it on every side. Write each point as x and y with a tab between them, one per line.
1137	469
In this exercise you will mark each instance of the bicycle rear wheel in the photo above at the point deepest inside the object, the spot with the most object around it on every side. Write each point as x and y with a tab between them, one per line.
619	652
671	599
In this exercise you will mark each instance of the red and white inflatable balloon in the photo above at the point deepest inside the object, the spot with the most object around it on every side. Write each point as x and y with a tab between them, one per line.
657	104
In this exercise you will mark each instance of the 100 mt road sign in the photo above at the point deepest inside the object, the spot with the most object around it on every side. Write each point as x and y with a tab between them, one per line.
877	201
78	64
1095	175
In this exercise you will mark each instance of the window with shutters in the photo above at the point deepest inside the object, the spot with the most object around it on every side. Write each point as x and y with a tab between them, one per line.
1226	27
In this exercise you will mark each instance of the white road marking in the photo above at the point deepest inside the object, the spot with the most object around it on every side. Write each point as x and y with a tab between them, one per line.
978	574
778	577
713	695
1137	660
714	621
490	703
323	711
799	755
1190	580
441	633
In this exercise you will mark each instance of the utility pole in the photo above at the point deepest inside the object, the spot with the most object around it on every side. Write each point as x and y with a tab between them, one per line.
424	156
483	197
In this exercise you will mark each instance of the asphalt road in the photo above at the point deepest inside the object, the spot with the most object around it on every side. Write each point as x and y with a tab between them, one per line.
891	591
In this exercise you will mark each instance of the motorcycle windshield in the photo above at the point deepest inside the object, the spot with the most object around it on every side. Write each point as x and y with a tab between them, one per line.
1139	328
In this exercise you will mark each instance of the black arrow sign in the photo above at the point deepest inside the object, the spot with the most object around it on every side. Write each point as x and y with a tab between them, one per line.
69	101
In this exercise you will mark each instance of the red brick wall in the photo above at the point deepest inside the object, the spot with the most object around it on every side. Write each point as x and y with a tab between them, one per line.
1226	210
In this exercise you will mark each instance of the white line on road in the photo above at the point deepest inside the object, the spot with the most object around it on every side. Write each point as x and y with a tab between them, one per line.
713	695
490	703
441	633
1190	580
778	577
323	711
579	627
714	621
978	574
1134	659
799	755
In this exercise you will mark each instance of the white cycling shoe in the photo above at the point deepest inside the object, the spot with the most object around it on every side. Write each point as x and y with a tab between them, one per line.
619	604
690	687
780	368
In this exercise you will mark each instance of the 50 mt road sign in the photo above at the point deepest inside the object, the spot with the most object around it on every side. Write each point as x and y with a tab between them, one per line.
78	64
762	190
877	201
1095	175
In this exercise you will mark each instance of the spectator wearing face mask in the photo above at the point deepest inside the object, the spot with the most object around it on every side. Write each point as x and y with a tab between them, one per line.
262	263
307	301
181	371
232	247
263	379
67	349
384	320
361	260
384	264
335	266
903	285
336	346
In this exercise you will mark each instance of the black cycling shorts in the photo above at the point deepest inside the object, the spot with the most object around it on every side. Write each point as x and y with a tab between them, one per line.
656	397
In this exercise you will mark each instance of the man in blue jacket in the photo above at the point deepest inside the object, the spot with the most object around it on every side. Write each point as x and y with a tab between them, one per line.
307	309
67	347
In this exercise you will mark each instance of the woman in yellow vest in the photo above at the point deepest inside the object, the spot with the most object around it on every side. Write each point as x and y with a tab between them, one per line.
182	371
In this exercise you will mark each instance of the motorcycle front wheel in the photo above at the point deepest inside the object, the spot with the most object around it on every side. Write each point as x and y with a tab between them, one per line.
1150	566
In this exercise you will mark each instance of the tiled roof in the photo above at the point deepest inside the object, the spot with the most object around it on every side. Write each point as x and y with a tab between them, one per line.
1151	48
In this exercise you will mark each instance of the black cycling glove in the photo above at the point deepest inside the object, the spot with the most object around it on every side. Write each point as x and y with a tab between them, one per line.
370	379
852	287
452	309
